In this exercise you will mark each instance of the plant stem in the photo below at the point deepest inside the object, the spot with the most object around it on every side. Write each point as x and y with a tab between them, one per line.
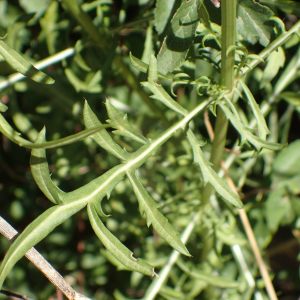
228	14
85	21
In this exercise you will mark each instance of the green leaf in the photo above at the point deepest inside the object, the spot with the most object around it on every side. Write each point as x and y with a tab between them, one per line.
119	121
252	22
143	67
158	91
246	134
180	36
287	162
115	247
3	107
50	27
148	207
103	139
261	122
213	280
95	190
91	86
275	61
35	232
40	172
278	208
209	175
148	45
292	98
20	64
162	14
210	279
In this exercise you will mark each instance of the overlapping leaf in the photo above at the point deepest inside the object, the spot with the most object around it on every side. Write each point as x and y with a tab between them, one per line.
261	122
275	61
116	248
158	91
103	139
119	121
209	175
246	134
20	64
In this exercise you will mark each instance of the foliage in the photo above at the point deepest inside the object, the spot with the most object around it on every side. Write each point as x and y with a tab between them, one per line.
153	158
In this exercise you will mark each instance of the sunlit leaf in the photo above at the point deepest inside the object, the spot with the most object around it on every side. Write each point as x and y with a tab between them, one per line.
20	64
119	121
159	93
103	139
40	172
35	232
162	14
261	122
161	225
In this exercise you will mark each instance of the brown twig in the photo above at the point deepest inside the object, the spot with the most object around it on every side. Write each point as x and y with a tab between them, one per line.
250	235
42	264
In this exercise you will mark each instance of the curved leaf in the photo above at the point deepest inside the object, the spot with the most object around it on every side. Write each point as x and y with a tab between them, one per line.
40	172
158	91
116	248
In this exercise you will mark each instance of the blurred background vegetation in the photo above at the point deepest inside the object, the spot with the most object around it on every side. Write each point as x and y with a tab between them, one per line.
42	28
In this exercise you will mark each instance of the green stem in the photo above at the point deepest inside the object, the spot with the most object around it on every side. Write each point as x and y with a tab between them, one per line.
85	21
228	14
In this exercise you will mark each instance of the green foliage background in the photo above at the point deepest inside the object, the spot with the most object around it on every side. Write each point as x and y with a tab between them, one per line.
269	181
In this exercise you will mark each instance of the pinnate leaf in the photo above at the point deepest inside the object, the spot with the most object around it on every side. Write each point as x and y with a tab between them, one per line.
158	91
35	232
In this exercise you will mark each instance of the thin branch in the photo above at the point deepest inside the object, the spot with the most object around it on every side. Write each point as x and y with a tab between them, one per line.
12	79
12	294
42	264
249	232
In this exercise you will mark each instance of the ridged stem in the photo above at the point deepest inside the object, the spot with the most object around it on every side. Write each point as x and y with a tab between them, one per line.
228	14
